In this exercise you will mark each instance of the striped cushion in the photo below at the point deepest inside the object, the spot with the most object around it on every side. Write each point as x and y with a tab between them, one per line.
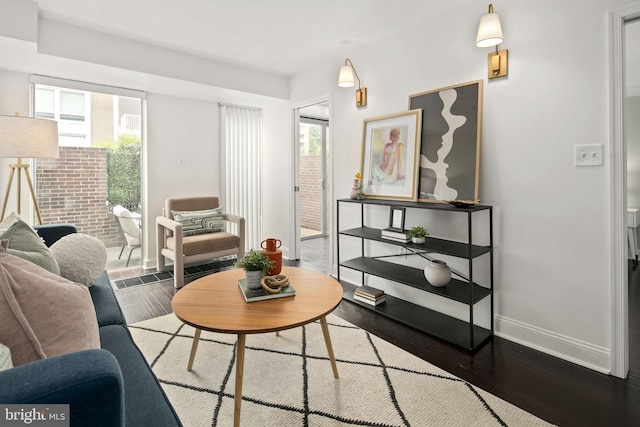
199	222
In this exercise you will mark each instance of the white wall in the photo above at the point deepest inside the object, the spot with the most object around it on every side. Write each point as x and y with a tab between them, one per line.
182	156
551	234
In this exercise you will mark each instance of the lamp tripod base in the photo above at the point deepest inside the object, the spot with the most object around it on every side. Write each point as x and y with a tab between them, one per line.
20	166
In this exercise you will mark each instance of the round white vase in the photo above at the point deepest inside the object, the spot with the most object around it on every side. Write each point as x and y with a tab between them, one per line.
437	273
418	240
253	279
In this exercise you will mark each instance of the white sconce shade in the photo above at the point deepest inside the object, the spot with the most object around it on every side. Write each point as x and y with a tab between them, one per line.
489	31
345	79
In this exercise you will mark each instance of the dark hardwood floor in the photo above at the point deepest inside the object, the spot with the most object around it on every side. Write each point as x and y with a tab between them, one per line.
557	391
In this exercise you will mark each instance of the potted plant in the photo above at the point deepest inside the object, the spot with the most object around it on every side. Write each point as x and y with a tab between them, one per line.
256	264
418	234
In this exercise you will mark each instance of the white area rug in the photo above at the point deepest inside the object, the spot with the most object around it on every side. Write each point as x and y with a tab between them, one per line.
288	380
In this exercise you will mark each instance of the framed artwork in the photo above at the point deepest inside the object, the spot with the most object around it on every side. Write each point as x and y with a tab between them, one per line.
449	165
390	147
396	219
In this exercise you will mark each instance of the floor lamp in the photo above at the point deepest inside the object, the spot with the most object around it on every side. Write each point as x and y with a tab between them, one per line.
26	137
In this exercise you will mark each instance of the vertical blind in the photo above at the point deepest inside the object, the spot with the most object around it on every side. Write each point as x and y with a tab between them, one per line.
241	136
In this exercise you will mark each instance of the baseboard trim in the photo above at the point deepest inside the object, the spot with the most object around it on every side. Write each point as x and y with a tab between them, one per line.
576	351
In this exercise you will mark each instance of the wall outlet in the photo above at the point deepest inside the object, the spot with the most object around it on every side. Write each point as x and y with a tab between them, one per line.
588	155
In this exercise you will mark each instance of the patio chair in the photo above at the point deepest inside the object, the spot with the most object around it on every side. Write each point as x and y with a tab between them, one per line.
130	226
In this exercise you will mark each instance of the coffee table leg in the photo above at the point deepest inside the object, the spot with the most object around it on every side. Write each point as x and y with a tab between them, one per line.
327	341
194	347
239	372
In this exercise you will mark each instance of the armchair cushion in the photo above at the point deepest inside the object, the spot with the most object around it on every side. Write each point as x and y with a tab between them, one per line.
200	222
202	243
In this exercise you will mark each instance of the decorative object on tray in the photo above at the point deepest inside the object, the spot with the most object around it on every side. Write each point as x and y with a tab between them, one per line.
463	203
270	247
418	234
390	149
450	145
256	264
274	284
253	295
369	295
357	192
437	273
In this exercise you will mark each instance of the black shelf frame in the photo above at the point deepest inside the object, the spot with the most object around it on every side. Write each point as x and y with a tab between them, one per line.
462	333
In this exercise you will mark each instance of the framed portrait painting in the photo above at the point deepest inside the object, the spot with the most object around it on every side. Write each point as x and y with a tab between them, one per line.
449	165
390	147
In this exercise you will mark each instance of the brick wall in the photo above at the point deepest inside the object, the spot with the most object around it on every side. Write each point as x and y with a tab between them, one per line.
73	189
311	192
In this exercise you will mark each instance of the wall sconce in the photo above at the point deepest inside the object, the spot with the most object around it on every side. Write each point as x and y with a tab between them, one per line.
345	79
490	34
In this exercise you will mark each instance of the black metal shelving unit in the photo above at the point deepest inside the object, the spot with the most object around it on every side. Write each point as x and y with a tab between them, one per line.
465	334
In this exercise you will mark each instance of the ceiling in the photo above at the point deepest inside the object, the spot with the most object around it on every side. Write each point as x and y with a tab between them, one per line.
282	37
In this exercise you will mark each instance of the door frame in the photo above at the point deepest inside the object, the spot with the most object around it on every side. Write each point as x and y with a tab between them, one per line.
294	232
619	268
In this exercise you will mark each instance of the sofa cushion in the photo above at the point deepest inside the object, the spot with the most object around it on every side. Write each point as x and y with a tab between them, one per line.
108	310
81	257
203	243
200	222
141	387
42	314
25	243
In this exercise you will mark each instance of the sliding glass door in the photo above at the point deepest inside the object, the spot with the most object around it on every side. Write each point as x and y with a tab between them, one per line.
99	163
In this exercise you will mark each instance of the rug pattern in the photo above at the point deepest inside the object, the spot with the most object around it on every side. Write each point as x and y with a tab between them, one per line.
288	380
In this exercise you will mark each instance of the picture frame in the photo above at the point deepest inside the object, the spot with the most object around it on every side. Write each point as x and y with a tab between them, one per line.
396	219
449	158
389	162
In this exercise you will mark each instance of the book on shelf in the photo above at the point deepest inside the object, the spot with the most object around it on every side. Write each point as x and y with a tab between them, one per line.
252	295
395	235
368	291
393	232
368	300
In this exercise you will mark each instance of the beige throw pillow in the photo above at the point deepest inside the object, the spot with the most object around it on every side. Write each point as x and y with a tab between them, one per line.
42	314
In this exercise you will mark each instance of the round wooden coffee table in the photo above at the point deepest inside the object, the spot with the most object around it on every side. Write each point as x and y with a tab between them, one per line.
215	303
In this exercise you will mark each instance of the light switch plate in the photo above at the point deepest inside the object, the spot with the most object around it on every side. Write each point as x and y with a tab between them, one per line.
588	155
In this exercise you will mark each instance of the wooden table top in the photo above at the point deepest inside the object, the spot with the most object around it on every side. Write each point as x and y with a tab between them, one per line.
215	303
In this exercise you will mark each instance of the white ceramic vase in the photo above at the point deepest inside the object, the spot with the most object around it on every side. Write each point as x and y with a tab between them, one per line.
418	240
437	273
253	279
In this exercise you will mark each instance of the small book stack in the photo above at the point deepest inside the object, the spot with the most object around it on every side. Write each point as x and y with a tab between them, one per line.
368	295
396	235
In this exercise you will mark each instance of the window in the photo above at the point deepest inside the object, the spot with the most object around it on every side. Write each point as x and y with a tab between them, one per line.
72	106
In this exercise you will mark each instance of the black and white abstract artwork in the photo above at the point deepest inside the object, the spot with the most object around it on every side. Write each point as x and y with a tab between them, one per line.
449	164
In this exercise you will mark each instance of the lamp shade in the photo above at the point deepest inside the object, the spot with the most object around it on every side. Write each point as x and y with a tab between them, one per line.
345	79
28	137
489	31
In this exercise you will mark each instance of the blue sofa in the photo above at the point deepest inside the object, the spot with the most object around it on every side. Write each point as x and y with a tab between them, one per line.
112	386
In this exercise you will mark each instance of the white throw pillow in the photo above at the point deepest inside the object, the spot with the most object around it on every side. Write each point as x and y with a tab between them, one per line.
81	257
5	358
